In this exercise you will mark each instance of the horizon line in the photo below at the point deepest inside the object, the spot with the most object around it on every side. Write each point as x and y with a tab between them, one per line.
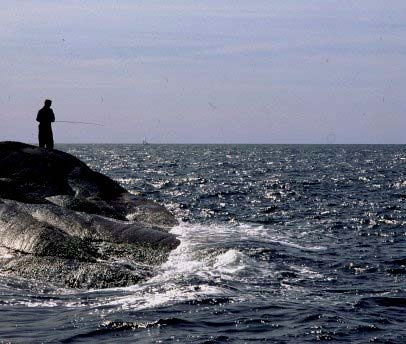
219	143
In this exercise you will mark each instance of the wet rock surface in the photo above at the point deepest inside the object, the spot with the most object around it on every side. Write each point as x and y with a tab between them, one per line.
64	223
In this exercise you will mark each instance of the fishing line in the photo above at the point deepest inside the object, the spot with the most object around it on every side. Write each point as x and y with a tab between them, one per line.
74	122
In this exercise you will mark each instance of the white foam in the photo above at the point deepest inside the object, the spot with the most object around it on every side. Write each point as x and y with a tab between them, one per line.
230	262
172	282
144	297
127	181
202	266
306	272
198	258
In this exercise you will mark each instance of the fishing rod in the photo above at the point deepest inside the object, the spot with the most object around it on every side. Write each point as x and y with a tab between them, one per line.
75	122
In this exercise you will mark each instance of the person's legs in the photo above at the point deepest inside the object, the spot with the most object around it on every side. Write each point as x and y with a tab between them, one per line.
50	139
41	137
45	137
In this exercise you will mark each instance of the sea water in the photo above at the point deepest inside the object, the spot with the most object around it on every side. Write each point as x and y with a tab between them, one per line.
279	243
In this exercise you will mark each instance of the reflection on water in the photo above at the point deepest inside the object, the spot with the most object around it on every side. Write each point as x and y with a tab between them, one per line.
289	243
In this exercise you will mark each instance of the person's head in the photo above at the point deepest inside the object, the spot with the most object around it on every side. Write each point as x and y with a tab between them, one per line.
48	103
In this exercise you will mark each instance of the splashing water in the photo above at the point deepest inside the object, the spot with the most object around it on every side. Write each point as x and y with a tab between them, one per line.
280	243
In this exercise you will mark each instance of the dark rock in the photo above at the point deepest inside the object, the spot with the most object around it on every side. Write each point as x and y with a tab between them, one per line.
64	223
73	273
35	175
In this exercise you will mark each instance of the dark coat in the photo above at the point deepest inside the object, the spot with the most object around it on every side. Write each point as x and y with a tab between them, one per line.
45	116
45	136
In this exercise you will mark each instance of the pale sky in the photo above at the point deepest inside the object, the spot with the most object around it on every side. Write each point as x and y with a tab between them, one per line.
212	71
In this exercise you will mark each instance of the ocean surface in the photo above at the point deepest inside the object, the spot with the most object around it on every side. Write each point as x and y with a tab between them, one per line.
279	243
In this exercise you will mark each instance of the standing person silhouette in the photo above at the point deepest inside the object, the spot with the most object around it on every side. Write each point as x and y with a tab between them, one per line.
45	117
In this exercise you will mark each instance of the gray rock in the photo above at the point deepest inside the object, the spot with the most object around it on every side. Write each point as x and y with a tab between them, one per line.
64	223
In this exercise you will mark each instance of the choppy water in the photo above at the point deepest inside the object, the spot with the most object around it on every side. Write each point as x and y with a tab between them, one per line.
289	244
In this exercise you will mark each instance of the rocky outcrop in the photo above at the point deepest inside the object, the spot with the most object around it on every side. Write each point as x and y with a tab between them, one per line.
64	223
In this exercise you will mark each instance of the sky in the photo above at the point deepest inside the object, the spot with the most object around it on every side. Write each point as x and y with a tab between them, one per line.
212	71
